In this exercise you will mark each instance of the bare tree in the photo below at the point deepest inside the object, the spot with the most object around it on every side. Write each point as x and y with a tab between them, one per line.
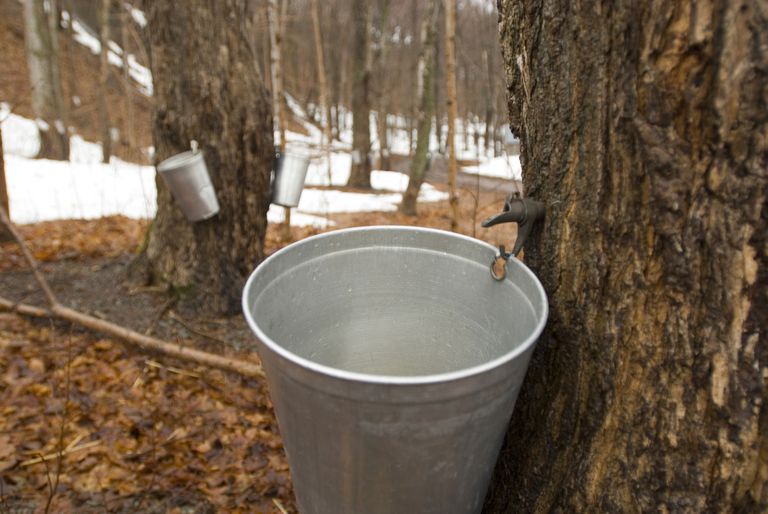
217	97
5	234
40	35
106	132
450	92
648	391
360	174
322	83
381	87
426	95
275	22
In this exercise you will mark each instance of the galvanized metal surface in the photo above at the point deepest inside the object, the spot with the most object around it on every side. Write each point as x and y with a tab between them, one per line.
394	361
187	177
288	184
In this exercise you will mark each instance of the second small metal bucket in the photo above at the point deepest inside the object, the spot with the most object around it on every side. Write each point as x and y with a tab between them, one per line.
288	183
186	175
394	360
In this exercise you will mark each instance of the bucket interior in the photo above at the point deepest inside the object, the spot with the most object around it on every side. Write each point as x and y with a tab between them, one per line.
393	302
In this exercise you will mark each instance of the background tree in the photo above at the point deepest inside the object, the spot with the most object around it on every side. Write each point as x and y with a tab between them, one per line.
645	136
40	21
360	174
426	95
5	235
208	88
450	92
106	132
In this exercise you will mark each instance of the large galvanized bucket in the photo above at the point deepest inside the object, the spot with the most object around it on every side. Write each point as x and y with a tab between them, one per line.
394	360
288	183
186	176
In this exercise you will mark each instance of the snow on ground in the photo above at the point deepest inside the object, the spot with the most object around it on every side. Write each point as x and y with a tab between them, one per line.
504	167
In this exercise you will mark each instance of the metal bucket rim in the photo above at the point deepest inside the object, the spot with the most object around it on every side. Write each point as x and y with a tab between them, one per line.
179	160
367	378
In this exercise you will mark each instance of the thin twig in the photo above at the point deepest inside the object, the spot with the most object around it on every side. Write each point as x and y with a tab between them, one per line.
175	317
28	256
279	506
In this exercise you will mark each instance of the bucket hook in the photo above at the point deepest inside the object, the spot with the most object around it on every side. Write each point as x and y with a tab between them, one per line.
523	211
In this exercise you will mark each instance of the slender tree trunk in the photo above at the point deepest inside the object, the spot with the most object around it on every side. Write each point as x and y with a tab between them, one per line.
42	62
125	21
5	234
490	100
382	90
646	137
360	174
426	95
324	100
218	99
275	23
438	82
106	133
450	92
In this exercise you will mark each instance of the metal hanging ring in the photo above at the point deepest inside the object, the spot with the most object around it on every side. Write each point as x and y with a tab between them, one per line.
500	261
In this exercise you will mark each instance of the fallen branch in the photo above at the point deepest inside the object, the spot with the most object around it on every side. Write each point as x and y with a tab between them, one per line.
146	343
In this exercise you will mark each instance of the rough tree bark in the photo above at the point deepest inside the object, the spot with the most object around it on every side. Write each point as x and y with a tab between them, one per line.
645	131
450	93
360	174
106	132
426	96
208	88
42	46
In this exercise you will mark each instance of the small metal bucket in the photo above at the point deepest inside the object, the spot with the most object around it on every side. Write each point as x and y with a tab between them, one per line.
394	360
290	172
187	177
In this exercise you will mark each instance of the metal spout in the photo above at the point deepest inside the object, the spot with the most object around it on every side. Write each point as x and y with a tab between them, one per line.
523	211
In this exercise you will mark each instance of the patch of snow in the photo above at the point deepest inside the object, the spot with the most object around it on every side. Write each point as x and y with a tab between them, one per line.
138	15
504	167
276	214
20	135
42	189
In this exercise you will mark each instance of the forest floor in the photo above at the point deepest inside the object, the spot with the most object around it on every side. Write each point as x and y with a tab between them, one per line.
136	432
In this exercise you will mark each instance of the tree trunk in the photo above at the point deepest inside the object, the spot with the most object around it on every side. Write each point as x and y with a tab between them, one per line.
450	93
360	174
106	133
646	136
382	90
43	65
130	137
490	99
426	96
324	101
438	82
208	88
5	234
275	24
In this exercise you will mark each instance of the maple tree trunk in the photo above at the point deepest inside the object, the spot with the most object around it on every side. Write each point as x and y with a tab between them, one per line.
645	136
43	64
426	95
360	174
208	88
450	93
106	134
